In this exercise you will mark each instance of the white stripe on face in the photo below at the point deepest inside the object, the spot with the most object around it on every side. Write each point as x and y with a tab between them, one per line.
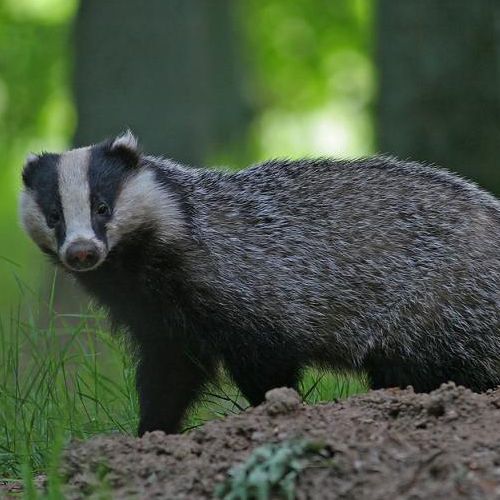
74	190
142	202
75	194
34	222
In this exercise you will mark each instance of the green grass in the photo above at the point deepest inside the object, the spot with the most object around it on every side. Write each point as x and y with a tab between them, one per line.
64	377
61	377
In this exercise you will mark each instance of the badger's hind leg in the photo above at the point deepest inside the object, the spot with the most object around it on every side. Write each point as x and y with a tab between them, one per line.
425	377
255	376
386	374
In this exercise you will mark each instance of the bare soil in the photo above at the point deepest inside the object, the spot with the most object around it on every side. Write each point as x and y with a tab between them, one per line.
388	444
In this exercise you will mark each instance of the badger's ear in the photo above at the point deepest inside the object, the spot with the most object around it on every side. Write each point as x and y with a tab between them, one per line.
29	164
127	147
31	158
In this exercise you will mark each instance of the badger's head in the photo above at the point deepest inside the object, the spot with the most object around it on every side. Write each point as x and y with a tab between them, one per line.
80	204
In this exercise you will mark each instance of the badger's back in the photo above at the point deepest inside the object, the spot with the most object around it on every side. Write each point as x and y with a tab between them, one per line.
349	257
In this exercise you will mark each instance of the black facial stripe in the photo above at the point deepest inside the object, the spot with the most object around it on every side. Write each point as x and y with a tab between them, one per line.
106	174
41	177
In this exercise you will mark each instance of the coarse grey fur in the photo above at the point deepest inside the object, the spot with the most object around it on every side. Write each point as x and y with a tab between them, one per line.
375	265
353	260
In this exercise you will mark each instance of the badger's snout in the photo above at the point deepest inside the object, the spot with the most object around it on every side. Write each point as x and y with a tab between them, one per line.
82	255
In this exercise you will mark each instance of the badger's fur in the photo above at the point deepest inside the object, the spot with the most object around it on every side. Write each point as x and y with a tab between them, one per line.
375	265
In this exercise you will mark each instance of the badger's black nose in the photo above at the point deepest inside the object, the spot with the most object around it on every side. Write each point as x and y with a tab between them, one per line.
82	255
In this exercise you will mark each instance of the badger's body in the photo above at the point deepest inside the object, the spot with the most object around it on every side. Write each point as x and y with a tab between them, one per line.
376	265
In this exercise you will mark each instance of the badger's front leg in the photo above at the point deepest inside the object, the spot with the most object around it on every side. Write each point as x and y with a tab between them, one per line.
168	379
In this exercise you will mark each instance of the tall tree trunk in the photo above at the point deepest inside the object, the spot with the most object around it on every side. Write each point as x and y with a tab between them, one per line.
439	100
168	69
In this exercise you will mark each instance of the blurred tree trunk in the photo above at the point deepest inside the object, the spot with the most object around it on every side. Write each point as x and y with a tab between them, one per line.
439	101
168	69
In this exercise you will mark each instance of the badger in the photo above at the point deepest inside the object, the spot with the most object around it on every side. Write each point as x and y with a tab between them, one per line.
377	266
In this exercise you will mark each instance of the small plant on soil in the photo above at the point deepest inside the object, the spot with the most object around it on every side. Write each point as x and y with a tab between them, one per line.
271	469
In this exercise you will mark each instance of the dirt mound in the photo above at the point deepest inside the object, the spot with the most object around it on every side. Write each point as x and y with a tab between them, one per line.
384	444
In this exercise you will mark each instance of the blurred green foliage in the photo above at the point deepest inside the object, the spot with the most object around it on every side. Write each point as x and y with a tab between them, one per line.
314	78
36	113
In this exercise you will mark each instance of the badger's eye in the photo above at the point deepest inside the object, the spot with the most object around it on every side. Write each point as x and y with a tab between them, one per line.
102	209
54	217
